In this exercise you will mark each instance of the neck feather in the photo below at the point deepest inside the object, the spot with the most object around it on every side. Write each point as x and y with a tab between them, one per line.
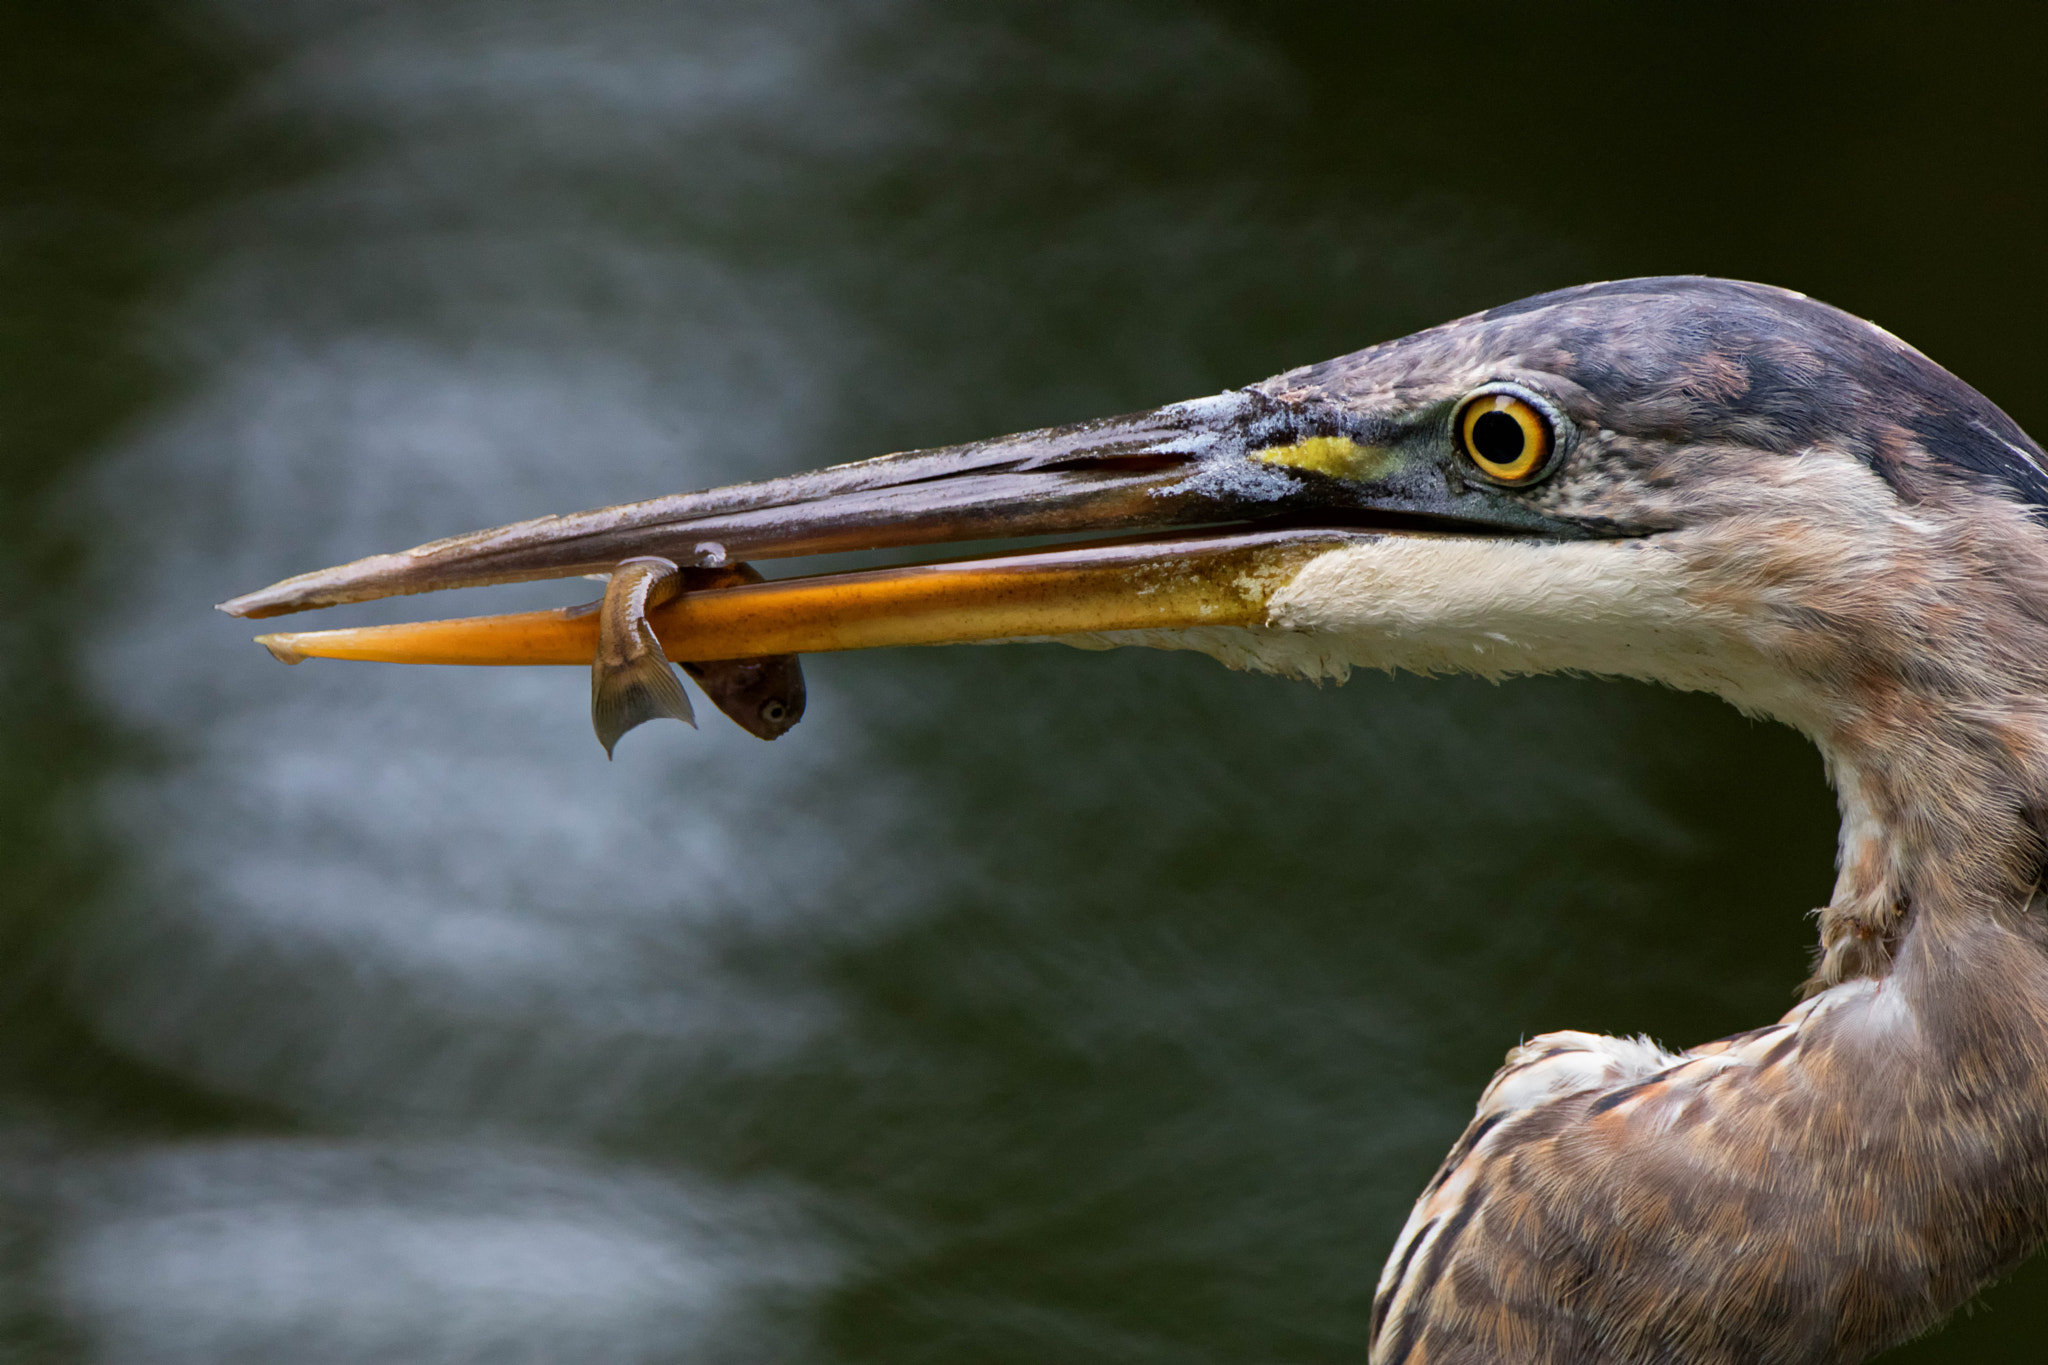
1913	651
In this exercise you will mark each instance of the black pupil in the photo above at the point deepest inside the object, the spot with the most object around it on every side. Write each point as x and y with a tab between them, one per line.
1497	438
773	710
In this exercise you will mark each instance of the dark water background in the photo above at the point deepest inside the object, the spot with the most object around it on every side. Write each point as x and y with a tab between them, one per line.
1024	1005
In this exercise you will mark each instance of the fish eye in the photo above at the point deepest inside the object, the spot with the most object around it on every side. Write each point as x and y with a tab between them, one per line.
1508	437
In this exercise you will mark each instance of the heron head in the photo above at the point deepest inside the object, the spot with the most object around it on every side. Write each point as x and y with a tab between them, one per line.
1715	485
1718	486
1724	486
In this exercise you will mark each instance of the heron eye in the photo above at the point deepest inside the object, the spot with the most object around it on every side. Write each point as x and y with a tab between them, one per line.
1506	436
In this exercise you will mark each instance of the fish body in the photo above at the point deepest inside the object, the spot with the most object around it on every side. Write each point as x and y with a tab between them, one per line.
631	681
764	696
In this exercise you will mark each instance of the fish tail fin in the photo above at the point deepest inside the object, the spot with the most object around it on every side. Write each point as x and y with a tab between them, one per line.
634	692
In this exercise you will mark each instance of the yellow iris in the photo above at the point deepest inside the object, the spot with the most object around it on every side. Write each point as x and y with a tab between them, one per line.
1506	437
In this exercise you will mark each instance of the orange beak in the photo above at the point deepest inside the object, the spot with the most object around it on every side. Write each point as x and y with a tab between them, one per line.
1226	498
1189	581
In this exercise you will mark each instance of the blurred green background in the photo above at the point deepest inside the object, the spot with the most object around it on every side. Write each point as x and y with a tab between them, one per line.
1023	1005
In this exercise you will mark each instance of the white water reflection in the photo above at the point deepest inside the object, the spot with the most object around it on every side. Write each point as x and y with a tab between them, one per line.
397	901
321	1251
432	890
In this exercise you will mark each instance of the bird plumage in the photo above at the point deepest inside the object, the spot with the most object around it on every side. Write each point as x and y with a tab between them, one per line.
1740	491
1830	1185
1808	1192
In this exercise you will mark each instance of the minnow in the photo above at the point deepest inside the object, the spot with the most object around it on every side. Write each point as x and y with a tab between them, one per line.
630	678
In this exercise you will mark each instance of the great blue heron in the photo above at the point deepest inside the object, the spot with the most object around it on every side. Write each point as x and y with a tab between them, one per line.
1714	485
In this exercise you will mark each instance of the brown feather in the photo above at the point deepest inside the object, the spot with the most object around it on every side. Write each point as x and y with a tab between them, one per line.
1828	1186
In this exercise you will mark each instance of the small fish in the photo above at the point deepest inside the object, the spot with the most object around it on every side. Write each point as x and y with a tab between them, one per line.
631	681
764	696
630	678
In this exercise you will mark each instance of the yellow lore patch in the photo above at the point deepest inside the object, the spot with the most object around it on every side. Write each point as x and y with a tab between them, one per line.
1338	456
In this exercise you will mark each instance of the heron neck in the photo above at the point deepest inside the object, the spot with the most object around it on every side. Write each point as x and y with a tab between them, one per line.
1942	813
1919	666
1914	652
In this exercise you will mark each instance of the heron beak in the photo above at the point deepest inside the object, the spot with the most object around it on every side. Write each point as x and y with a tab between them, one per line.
1221	500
